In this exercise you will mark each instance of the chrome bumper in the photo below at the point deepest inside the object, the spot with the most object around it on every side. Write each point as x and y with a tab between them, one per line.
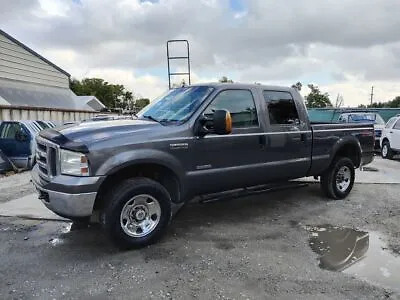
67	205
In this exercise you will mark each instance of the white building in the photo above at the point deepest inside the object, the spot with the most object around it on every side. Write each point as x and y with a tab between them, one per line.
28	80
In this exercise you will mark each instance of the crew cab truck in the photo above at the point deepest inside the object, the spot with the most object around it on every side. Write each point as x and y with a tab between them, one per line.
194	140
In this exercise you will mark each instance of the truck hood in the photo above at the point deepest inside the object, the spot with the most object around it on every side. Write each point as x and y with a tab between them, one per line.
77	137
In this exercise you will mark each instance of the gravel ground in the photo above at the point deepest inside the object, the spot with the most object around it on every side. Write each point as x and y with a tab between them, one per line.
15	186
248	248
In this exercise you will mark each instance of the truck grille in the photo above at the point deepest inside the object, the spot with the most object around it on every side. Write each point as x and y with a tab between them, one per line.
46	158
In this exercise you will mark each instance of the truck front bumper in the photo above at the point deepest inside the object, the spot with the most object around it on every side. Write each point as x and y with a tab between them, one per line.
67	196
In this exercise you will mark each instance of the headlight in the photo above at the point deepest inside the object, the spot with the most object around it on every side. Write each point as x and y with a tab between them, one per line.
74	163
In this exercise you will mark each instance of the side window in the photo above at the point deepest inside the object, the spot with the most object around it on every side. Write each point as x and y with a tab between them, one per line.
397	125
281	108
239	103
9	130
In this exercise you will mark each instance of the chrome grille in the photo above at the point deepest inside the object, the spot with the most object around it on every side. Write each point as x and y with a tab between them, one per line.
46	158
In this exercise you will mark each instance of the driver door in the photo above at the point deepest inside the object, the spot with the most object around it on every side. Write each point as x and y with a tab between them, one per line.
223	162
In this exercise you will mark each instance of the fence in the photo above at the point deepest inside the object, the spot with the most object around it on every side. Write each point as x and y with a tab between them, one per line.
57	115
330	114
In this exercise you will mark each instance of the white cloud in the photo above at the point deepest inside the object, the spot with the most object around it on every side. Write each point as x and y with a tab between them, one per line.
344	48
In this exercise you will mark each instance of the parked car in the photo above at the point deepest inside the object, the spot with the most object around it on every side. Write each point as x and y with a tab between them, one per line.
390	139
17	140
194	141
365	117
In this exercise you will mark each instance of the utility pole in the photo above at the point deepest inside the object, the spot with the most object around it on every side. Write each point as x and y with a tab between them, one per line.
372	94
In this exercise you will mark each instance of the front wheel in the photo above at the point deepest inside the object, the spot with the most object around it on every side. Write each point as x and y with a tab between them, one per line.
338	180
386	150
138	213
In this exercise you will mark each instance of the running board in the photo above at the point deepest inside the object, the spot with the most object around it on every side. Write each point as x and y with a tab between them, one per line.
254	190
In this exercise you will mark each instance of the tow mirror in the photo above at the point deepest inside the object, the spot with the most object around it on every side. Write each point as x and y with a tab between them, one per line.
219	123
222	122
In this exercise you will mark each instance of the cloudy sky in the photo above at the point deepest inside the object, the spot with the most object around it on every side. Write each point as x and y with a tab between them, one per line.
343	46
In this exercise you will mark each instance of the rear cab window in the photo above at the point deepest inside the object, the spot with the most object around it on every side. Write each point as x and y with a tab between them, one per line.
282	110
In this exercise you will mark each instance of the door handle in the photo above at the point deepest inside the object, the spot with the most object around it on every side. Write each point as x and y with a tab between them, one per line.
262	139
303	137
391	131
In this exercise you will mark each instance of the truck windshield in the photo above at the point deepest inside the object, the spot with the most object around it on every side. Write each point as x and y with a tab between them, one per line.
176	105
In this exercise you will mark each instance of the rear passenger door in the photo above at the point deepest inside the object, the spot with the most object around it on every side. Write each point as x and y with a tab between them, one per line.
289	140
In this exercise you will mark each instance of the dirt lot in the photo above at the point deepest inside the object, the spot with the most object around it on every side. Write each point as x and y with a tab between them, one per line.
249	248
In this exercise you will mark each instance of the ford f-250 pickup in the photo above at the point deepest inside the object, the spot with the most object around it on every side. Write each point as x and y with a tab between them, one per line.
192	141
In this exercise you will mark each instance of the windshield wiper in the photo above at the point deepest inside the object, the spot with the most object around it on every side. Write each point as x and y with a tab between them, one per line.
152	118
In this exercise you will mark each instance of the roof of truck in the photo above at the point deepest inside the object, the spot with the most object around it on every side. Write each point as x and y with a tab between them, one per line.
245	86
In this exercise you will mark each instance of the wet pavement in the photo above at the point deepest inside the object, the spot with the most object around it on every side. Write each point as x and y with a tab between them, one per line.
247	248
356	252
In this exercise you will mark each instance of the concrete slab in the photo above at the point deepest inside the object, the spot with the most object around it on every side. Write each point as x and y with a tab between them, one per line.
28	207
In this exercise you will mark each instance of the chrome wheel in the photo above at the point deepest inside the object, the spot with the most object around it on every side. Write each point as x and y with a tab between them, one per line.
343	178
140	215
384	150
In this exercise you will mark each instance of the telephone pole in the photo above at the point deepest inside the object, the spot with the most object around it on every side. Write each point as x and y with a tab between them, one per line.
372	94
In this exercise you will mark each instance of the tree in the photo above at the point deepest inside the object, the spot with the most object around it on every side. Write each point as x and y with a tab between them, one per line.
111	95
395	103
298	85
225	79
315	99
127	100
141	103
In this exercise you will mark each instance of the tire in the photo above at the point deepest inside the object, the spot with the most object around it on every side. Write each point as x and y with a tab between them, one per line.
138	213
341	168
386	151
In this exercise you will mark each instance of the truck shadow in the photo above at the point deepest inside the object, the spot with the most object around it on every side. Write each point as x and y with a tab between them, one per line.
195	222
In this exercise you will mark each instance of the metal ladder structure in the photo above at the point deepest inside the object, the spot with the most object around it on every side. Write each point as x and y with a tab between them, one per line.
177	58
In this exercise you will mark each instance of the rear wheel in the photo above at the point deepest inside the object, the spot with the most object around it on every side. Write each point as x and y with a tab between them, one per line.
138	213
338	180
386	151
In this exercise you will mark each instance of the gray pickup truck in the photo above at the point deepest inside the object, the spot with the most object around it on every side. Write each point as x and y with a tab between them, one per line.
193	141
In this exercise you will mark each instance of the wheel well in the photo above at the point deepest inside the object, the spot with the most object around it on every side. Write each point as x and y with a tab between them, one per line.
165	176
351	151
385	140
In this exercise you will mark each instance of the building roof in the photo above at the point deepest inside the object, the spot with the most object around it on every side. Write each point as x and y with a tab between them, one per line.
18	93
33	52
89	102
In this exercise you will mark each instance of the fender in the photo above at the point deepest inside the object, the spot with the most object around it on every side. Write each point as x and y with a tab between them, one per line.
347	140
140	156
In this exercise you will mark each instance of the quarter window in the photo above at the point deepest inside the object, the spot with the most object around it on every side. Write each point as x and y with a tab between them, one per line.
397	125
281	108
239	103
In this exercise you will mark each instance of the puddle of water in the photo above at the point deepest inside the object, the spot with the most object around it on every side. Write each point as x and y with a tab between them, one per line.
359	253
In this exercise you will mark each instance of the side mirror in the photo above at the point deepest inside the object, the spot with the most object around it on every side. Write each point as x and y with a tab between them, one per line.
21	136
220	123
